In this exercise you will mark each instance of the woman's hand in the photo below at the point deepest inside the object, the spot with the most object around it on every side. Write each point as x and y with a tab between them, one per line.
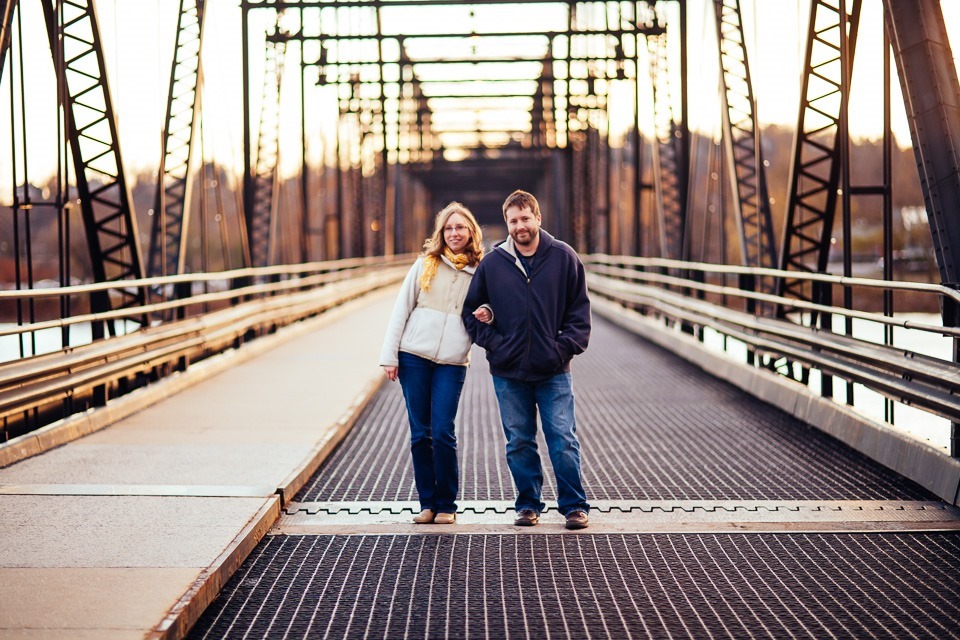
483	315
390	372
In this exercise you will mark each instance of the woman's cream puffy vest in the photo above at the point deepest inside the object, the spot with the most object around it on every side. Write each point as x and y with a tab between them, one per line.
428	323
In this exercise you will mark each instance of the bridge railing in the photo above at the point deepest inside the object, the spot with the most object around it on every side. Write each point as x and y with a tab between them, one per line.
811	343
61	366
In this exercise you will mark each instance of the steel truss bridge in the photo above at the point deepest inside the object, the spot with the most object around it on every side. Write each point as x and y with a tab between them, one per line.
418	103
405	105
816	276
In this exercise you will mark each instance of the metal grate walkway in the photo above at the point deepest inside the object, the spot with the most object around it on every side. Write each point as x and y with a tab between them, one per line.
594	586
715	516
651	426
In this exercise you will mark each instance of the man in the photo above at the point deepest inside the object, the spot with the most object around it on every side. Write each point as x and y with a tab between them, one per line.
527	306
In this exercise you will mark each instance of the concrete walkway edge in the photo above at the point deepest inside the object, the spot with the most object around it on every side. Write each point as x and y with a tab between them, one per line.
83	424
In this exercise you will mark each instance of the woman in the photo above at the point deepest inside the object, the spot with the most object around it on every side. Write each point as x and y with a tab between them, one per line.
428	349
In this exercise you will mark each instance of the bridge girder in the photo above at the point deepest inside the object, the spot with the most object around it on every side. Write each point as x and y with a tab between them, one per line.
931	92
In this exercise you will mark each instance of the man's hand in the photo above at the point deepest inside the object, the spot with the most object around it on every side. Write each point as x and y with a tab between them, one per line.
390	372
483	315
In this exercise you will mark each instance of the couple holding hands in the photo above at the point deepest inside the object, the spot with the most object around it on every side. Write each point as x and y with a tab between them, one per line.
526	304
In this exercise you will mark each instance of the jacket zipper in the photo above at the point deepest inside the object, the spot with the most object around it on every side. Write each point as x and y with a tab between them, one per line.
443	327
529	324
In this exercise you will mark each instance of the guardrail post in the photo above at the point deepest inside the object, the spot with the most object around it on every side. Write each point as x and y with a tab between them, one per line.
699	277
747	282
823	295
182	291
950	311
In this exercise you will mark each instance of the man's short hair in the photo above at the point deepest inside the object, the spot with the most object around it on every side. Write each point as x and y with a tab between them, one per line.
521	200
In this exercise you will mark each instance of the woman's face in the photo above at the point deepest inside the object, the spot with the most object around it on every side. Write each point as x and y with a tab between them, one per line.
456	233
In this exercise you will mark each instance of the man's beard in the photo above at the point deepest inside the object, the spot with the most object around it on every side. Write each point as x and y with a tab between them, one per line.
531	240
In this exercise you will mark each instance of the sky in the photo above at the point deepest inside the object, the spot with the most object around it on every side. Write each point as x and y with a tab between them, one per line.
138	37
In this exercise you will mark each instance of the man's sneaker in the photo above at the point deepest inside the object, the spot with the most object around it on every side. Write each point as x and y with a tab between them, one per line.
577	520
527	518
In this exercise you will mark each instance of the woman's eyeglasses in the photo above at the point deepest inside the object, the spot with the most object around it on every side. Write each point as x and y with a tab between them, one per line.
458	228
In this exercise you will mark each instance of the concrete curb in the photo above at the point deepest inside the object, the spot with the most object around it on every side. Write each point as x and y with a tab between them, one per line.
907	456
181	618
209	583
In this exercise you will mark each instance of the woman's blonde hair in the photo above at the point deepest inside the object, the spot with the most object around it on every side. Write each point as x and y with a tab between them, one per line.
435	244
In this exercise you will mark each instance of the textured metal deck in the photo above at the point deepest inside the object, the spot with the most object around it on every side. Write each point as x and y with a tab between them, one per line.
651	426
594	586
714	515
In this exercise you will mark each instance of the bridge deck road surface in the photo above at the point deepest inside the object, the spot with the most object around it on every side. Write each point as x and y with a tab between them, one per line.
715	515
130	532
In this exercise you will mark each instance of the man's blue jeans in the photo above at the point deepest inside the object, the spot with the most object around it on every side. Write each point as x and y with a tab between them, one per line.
518	402
432	393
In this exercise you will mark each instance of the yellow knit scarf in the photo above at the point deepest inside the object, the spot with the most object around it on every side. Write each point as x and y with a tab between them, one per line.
430	264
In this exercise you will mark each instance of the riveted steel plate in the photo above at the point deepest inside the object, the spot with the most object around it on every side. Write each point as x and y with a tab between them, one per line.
652	427
593	586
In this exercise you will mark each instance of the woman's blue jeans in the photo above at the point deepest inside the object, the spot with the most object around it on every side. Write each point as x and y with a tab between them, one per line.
432	393
519	402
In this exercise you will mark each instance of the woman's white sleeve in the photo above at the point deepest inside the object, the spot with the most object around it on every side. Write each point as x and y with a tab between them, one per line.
402	308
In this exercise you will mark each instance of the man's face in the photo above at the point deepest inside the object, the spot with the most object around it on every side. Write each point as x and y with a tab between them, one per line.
522	225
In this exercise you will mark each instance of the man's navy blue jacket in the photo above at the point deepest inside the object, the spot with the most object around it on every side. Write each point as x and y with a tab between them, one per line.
541	320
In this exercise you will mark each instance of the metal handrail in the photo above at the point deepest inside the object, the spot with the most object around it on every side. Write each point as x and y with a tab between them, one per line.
73	378
218	296
709	267
793	303
233	274
901	375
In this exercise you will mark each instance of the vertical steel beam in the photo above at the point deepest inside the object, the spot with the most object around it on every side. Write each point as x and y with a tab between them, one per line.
666	156
247	144
682	132
171	205
105	203
742	142
931	93
261	221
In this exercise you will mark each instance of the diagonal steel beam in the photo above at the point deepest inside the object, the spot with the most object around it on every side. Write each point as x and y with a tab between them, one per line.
171	205
6	23
105	203
815	170
931	92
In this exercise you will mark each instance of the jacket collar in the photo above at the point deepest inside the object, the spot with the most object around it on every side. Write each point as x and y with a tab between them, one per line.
509	247
468	268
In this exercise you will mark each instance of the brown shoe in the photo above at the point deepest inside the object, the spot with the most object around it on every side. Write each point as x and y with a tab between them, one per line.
445	518
527	518
577	520
425	517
